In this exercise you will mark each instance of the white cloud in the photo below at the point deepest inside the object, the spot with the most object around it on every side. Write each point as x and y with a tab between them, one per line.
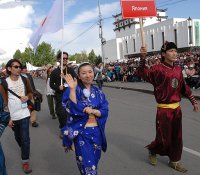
4	4
90	39
14	29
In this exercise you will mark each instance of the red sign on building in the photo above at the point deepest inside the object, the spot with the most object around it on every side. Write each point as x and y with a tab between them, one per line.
138	8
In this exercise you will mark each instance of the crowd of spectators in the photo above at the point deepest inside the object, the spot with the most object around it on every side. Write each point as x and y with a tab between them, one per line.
126	71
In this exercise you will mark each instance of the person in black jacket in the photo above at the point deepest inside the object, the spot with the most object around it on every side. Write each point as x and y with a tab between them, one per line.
55	84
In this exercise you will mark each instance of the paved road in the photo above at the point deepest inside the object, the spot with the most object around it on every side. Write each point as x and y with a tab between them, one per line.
129	128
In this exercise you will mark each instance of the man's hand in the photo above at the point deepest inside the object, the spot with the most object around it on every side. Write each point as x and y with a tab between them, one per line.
11	124
61	87
24	98
196	107
143	52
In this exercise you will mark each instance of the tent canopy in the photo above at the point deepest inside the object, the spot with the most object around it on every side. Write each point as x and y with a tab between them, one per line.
31	67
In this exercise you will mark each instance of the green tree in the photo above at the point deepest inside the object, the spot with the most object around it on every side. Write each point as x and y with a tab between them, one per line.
44	55
27	55
72	57
92	57
98	59
3	65
17	54
81	57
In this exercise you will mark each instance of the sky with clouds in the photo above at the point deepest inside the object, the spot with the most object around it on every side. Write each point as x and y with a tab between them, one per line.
20	18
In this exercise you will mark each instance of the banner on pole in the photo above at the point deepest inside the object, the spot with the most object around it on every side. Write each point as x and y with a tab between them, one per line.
138	8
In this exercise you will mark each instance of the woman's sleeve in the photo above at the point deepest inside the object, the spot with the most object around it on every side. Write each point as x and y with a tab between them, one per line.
74	108
104	110
66	141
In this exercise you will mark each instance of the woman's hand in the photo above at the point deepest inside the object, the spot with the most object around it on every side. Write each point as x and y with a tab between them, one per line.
72	82
88	110
96	112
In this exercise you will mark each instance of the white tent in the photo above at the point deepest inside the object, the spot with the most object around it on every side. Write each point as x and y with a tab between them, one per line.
31	67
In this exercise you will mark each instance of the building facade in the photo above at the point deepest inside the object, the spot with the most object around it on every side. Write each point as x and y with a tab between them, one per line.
184	32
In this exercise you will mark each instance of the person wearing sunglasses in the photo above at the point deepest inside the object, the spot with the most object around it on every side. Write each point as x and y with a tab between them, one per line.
16	94
55	84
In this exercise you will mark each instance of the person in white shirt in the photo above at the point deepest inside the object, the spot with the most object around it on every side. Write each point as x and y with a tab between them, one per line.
18	108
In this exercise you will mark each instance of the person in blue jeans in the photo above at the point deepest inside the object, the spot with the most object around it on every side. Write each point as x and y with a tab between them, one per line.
17	93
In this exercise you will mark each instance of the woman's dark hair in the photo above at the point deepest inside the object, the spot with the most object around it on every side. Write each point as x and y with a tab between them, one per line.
80	83
9	64
82	65
60	54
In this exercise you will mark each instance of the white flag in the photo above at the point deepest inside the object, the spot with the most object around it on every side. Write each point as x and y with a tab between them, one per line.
52	23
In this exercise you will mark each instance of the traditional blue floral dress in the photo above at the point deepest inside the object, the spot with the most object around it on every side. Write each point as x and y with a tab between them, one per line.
88	141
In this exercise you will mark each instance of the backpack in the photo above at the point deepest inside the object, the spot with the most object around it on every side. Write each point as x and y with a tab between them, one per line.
4	115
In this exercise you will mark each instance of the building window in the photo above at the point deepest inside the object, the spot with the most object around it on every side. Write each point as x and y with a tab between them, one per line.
134	46
126	46
175	36
152	42
163	37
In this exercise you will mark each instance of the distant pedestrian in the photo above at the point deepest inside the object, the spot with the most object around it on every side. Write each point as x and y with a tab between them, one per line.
51	99
33	117
98	70
169	85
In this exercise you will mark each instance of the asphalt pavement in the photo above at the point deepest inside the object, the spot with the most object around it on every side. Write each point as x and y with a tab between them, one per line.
130	126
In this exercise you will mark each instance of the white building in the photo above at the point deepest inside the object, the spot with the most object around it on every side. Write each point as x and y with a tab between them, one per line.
184	32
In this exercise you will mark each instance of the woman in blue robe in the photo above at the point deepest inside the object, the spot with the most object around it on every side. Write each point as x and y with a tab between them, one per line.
88	112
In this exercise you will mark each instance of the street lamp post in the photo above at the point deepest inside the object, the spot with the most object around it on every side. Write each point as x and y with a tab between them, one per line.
190	31
103	41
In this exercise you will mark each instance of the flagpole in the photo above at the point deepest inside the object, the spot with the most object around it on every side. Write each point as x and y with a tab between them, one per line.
62	45
142	32
61	66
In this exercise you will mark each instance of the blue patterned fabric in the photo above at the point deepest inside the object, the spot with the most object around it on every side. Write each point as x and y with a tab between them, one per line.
88	141
4	118
2	162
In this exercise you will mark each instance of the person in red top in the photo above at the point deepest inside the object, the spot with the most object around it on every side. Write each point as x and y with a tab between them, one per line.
169	85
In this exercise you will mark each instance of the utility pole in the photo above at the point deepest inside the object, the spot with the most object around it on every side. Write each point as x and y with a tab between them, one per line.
103	41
